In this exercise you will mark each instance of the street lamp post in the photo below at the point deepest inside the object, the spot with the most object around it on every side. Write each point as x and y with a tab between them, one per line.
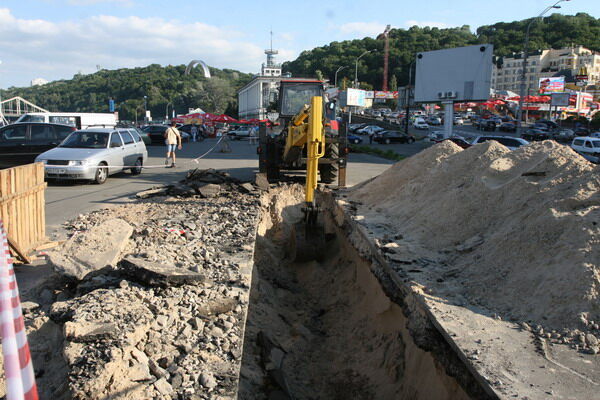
356	66
145	110
523	85
167	110
408	96
336	72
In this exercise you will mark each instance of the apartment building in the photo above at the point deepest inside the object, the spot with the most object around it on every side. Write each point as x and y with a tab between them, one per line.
568	62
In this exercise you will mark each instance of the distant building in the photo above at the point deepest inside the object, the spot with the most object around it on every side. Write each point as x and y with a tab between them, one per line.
568	62
254	98
38	82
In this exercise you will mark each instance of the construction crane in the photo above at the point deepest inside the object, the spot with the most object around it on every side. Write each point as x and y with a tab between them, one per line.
386	56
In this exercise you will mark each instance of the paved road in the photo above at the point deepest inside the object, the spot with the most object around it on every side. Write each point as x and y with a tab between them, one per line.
66	200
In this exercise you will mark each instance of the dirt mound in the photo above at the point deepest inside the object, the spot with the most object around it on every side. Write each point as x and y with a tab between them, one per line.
519	229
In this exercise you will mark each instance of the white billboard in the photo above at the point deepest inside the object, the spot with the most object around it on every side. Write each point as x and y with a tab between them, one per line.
460	74
353	97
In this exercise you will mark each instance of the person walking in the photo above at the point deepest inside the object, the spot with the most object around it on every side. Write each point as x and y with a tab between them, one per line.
194	132
371	134
172	140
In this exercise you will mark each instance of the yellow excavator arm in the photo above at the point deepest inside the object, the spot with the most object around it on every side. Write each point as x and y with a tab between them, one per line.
310	133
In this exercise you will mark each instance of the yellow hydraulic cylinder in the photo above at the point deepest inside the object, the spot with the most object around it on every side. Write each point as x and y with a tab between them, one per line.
315	149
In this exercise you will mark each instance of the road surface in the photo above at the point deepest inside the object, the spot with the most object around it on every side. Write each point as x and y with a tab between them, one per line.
66	200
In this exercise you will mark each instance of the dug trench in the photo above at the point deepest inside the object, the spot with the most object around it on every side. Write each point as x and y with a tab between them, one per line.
338	328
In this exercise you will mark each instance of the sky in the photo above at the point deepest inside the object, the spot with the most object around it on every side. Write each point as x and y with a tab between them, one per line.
55	39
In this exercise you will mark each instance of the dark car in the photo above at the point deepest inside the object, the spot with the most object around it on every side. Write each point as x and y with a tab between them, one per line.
550	124
354	139
582	131
460	142
388	137
487	125
508	126
536	135
21	143
157	134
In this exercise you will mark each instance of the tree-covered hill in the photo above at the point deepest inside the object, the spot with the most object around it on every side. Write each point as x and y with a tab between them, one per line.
128	86
554	31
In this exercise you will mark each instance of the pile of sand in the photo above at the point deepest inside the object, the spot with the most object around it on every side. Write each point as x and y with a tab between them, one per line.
522	228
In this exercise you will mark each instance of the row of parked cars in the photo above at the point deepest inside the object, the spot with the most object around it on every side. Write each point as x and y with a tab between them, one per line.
380	135
67	153
587	146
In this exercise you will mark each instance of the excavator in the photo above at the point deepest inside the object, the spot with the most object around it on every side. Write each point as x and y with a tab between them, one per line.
309	140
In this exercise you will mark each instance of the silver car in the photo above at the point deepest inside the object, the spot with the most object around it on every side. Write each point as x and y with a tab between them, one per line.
94	154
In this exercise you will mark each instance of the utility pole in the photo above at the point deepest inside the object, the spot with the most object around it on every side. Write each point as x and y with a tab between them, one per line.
524	66
386	56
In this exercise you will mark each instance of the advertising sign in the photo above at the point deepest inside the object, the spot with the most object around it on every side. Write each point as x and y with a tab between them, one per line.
369	94
111	105
552	84
354	97
463	72
560	99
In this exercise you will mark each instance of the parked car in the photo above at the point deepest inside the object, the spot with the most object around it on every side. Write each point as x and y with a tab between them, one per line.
354	127
20	143
459	121
508	126
595	134
240	132
420	123
564	135
511	142
534	134
94	154
460	141
369	129
582	131
436	136
354	139
551	125
589	147
434	120
157	134
486	125
388	137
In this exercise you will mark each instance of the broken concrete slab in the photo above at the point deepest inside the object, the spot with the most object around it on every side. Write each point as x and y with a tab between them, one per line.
156	274
84	331
247	187
261	181
210	190
92	250
161	191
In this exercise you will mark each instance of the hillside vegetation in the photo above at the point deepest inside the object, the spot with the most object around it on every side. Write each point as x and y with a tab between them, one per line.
128	86
554	31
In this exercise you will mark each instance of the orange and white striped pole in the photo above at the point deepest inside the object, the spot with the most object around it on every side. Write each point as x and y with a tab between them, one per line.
18	367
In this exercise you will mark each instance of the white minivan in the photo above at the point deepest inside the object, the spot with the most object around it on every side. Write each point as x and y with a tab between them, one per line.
588	147
420	123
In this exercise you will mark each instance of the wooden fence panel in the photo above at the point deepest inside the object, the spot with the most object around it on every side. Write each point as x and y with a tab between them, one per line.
22	205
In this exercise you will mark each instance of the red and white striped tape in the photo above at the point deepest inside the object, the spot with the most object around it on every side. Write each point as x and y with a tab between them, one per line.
18	367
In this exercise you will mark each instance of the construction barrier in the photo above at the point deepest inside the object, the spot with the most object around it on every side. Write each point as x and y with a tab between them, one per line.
22	207
18	368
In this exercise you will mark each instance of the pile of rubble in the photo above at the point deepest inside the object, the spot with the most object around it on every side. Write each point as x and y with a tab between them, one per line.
206	183
149	299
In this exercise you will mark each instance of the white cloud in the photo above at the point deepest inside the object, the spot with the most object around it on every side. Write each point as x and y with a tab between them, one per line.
33	48
362	28
422	24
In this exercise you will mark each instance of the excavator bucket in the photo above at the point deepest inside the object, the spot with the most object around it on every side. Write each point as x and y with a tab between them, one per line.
307	242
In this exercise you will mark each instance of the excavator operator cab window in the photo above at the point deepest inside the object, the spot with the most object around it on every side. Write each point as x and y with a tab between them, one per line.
295	96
